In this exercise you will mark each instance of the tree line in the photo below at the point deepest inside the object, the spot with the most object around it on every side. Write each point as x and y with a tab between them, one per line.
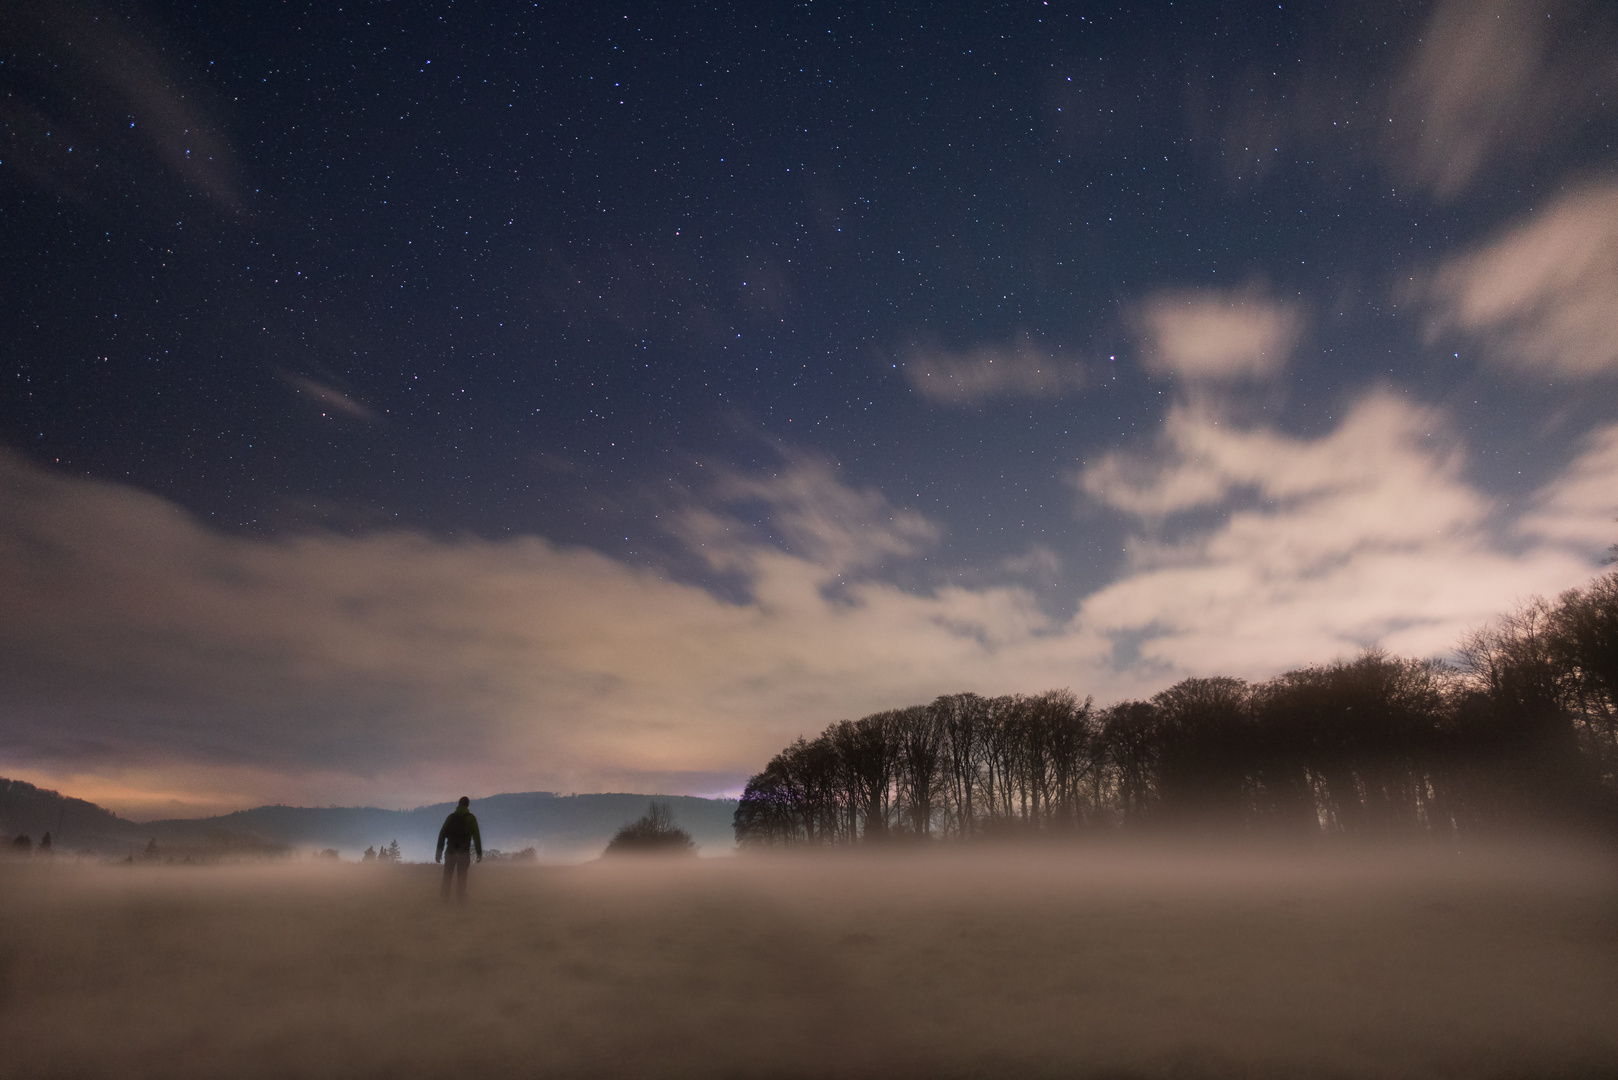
1522	728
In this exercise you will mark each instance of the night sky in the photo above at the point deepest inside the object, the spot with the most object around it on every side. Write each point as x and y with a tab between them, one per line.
403	399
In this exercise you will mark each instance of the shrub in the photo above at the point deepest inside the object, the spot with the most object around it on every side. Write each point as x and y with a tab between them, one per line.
653	834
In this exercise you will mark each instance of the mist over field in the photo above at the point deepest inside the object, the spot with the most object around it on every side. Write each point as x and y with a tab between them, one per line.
1150	960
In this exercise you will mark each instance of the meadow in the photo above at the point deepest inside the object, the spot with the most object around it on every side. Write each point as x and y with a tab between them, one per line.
1095	961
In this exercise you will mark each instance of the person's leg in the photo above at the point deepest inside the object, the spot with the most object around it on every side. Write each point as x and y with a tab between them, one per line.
449	870
462	866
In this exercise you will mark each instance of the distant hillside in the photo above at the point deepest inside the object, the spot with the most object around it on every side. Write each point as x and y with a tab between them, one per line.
74	824
557	826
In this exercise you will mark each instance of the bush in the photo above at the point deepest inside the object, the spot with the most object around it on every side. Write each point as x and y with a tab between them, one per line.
653	834
526	855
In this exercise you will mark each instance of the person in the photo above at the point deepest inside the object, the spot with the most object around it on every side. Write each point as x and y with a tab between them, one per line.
456	841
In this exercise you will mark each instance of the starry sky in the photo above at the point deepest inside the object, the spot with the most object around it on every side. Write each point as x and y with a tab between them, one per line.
408	398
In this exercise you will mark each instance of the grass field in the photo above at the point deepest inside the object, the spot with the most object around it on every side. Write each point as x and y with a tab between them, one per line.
1064	962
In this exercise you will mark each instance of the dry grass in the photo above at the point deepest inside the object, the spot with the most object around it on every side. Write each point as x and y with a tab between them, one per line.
1069	963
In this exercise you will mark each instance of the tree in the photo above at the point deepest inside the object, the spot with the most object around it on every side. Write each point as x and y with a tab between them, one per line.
1351	747
1201	759
868	751
919	736
1064	758
801	797
1002	750
961	719
1130	746
1525	728
654	833
1584	642
369	856
768	814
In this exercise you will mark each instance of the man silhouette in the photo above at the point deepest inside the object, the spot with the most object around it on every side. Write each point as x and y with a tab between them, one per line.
457	839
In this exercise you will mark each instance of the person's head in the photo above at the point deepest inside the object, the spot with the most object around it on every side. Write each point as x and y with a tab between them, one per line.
465	802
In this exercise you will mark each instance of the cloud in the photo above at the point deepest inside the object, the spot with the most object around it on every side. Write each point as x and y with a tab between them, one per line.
147	656
1369	534
1468	87
1204	461
1543	296
329	398
1022	369
1038	562
1491	77
1212	334
142	646
1474	94
101	83
819	519
1580	508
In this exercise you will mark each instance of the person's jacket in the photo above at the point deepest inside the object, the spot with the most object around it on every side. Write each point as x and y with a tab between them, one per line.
460	833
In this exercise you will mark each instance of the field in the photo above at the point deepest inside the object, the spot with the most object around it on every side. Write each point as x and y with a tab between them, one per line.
1031	963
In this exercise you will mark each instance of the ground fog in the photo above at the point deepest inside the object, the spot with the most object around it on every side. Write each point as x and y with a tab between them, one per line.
1419	962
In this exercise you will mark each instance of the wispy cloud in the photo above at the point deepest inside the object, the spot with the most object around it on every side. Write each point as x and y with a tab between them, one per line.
1491	77
1215	334
329	399
818	517
1468	87
1543	296
1038	563
1580	508
124	89
1472	89
1021	369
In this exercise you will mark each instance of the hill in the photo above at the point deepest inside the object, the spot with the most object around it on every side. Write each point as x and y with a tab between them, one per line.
74	825
557	826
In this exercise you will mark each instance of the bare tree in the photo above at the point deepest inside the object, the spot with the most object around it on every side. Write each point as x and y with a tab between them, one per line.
868	751
1131	747
918	733
962	719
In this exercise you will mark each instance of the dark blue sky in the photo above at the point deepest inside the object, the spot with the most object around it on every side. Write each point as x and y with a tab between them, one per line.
571	270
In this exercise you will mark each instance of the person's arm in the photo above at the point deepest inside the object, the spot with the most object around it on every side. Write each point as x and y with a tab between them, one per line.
477	837
443	838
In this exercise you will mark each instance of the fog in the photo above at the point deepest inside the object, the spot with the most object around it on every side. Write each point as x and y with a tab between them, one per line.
1100	961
